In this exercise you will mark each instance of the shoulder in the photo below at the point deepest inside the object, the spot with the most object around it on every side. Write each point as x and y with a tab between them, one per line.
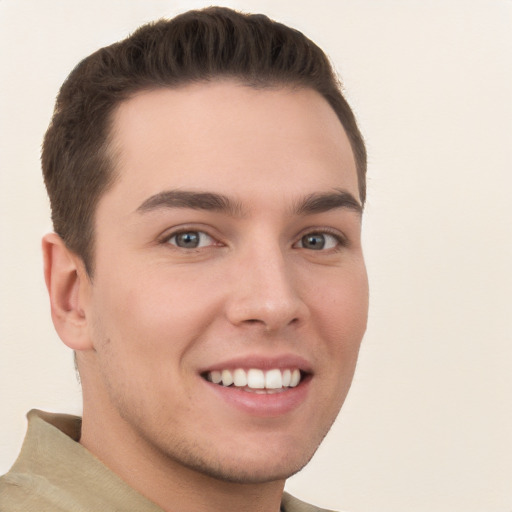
22	492
54	473
291	504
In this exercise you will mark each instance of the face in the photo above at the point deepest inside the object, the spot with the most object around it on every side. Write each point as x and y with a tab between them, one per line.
228	250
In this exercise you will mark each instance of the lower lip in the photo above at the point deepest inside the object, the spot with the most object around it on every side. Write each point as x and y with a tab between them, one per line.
263	404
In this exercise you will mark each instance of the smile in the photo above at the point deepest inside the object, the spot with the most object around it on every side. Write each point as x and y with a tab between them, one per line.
256	380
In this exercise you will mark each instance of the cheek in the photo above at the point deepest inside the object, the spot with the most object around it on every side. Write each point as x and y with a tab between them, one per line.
341	306
151	315
339	315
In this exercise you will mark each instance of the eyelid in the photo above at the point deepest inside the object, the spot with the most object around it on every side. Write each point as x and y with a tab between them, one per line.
201	243
338	235
169	233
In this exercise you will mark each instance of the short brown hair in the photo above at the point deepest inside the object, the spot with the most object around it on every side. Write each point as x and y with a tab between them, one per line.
196	46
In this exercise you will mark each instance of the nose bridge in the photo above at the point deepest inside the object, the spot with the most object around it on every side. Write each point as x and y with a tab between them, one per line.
265	291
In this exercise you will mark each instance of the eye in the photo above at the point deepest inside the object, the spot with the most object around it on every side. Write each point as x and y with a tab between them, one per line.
319	241
190	240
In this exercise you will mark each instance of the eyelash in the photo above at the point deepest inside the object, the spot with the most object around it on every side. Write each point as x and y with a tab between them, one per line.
340	240
167	238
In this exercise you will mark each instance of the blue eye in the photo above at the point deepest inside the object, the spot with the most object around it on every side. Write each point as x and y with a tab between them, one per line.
191	240
318	241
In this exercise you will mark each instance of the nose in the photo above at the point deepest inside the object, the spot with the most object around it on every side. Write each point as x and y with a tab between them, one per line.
265	292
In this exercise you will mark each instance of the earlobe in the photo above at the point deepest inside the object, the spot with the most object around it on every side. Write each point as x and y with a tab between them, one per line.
66	281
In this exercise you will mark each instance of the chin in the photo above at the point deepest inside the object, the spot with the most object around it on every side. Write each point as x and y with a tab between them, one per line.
249	472
250	462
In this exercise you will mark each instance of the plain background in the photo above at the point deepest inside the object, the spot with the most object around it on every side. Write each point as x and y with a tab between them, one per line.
428	423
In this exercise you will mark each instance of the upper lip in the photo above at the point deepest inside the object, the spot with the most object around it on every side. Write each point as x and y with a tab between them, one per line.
282	362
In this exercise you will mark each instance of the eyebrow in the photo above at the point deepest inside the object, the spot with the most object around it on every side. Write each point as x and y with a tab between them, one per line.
210	201
323	202
195	200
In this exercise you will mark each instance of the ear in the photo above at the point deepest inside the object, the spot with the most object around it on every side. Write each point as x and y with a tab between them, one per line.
67	283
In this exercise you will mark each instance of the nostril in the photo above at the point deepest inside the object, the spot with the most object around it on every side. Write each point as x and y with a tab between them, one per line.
267	325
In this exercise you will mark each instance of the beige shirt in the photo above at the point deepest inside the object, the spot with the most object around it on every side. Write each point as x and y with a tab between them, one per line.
54	473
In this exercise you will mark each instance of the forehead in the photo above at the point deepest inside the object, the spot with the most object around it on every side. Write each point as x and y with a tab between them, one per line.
229	138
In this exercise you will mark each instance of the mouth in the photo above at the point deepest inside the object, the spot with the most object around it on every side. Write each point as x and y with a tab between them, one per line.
257	380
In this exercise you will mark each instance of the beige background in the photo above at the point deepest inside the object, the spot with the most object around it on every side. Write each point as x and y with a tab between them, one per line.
428	424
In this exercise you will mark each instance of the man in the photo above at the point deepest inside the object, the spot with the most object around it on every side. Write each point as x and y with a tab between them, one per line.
207	180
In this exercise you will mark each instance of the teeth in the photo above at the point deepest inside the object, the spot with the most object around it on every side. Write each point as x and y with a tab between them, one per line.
239	378
227	378
287	375
216	377
295	379
257	379
273	379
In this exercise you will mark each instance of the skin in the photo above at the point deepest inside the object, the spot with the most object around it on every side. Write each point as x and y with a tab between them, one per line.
154	316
